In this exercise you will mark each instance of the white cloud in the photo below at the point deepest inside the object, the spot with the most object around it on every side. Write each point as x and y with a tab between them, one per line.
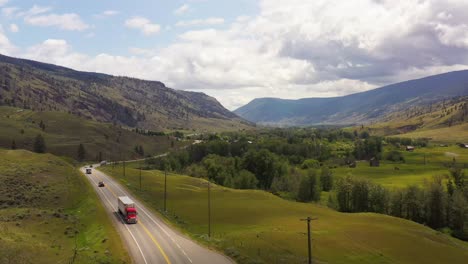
294	49
41	16
201	22
143	24
9	11
69	21
182	10
14	28
107	13
3	2
33	11
6	47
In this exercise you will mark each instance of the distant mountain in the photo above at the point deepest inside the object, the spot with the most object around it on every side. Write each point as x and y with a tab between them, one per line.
356	108
122	100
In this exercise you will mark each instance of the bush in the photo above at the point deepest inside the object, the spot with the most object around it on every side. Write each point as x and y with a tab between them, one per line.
395	156
310	164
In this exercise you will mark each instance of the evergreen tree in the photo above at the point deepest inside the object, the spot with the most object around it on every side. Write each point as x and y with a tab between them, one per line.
39	144
81	152
13	144
326	179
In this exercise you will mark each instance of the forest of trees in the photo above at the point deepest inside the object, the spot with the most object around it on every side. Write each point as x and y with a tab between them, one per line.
296	164
437	204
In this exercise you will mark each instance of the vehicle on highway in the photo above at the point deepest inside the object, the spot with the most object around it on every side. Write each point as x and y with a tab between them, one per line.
101	184
104	162
88	171
128	209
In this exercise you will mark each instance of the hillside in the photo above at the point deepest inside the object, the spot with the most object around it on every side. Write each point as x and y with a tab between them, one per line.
356	108
126	101
442	121
257	227
64	132
48	210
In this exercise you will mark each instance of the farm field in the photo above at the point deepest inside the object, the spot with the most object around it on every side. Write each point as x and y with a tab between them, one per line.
257	227
47	210
413	171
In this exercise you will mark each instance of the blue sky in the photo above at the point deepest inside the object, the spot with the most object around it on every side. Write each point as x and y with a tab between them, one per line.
107	33
239	50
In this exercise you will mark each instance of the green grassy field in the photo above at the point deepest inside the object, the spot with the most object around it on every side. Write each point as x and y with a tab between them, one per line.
64	132
44	203
413	171
258	227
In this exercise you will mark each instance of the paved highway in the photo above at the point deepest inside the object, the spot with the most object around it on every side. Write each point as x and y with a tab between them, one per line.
150	240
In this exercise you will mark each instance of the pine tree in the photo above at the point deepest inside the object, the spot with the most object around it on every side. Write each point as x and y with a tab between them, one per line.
39	144
81	153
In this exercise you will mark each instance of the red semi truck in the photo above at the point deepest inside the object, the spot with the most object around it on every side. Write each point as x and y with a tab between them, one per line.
128	209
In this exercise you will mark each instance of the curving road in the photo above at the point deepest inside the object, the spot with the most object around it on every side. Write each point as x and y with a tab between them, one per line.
151	240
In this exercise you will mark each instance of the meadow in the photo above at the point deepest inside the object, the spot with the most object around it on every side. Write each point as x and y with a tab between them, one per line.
254	226
50	214
420	165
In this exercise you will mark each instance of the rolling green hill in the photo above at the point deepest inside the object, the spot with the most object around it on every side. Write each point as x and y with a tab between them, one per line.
258	227
121	100
356	108
64	132
47	210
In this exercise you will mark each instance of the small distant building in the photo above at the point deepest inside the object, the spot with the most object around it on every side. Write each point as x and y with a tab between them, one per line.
463	145
410	148
374	162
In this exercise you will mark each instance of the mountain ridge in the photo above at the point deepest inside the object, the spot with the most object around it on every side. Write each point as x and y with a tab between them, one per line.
106	98
360	107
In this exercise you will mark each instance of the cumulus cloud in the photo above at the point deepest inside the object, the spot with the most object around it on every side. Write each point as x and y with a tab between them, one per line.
201	22
295	49
41	16
107	13
144	25
182	10
14	28
69	21
9	11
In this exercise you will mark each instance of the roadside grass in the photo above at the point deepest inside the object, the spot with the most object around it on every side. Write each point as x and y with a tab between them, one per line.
254	226
48	209
64	132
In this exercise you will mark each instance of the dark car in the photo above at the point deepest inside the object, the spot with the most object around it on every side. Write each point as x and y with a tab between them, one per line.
101	184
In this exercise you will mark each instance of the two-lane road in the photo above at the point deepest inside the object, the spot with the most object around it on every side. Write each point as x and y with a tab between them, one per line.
150	240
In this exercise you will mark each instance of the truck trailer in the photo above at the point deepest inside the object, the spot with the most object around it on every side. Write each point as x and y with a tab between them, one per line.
128	209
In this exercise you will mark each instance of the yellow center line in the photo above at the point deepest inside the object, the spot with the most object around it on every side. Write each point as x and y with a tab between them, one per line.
155	241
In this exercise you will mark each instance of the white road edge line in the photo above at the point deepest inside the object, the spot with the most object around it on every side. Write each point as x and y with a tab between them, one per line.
154	221
134	239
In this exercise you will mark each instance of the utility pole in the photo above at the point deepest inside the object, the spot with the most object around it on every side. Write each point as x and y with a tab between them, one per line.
309	244
140	173
165	189
209	209
123	168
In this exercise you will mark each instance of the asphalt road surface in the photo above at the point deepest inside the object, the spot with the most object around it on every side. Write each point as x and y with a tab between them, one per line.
150	240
